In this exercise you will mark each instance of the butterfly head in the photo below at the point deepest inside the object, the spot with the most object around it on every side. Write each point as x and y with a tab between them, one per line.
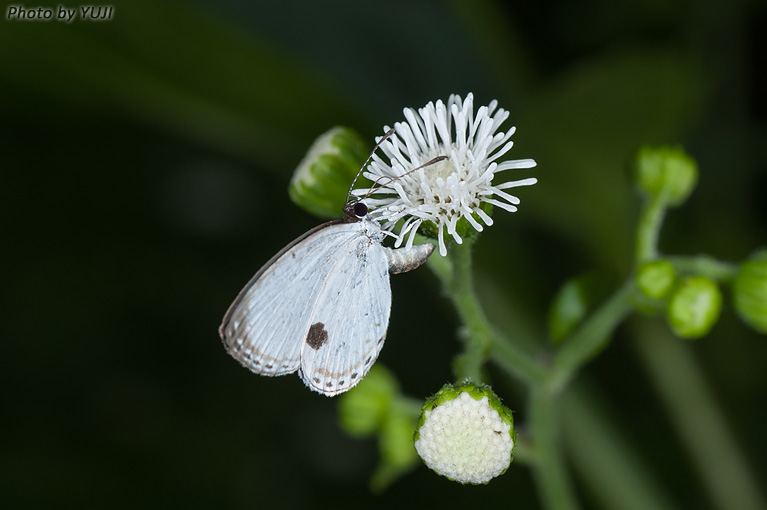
355	210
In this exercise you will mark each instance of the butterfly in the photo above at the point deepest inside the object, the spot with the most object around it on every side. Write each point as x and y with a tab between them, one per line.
321	305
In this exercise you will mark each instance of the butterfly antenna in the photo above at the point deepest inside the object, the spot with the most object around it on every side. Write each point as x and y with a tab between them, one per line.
377	185
377	145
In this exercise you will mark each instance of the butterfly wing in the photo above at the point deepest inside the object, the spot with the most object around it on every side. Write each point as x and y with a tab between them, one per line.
348	324
266	326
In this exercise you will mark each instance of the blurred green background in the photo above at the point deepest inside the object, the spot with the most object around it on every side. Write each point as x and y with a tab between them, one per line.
145	163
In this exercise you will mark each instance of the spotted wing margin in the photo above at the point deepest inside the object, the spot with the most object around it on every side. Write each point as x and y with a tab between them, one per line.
349	321
266	325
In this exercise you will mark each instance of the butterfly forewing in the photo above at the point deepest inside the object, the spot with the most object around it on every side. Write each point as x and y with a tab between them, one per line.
268	323
348	324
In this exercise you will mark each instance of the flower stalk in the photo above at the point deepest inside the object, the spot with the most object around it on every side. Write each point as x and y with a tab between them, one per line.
553	482
591	337
480	338
648	230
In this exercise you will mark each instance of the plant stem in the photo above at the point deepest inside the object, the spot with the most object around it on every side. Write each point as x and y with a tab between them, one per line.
604	459
706	266
477	337
554	485
648	230
480	338
591	337
698	419
516	361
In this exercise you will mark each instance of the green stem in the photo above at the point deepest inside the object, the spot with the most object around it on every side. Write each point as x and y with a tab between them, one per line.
554	485
648	230
477	336
698	419
480	338
604	458
516	361
592	336
706	266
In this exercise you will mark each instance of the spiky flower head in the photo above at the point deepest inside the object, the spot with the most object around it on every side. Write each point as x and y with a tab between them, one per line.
456	190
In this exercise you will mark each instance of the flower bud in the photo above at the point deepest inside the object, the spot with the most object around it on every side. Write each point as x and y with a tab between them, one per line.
655	279
694	307
750	291
322	179
465	434
666	170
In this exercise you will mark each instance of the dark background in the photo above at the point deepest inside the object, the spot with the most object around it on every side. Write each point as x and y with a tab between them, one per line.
145	162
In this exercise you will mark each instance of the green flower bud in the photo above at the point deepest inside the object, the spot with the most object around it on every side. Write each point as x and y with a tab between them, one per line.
465	434
363	409
322	179
750	291
666	170
655	279
694	307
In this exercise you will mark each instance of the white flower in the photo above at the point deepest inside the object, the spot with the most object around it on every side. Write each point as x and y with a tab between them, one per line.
451	189
465	439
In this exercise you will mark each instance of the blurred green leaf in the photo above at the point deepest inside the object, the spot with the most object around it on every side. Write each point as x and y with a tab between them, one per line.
178	66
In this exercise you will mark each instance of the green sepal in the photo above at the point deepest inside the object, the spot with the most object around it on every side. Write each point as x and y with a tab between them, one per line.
462	227
750	291
694	307
667	170
476	391
322	179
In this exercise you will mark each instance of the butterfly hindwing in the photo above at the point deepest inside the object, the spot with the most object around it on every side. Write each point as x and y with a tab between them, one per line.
348	324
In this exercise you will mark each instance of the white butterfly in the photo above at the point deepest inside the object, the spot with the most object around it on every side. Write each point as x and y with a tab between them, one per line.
321	305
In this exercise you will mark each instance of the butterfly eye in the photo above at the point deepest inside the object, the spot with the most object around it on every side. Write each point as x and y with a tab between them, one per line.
360	209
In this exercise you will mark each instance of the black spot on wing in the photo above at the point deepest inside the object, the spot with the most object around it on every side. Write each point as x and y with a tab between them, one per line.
317	336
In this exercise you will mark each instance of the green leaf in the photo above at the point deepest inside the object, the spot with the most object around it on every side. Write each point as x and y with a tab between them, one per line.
573	302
